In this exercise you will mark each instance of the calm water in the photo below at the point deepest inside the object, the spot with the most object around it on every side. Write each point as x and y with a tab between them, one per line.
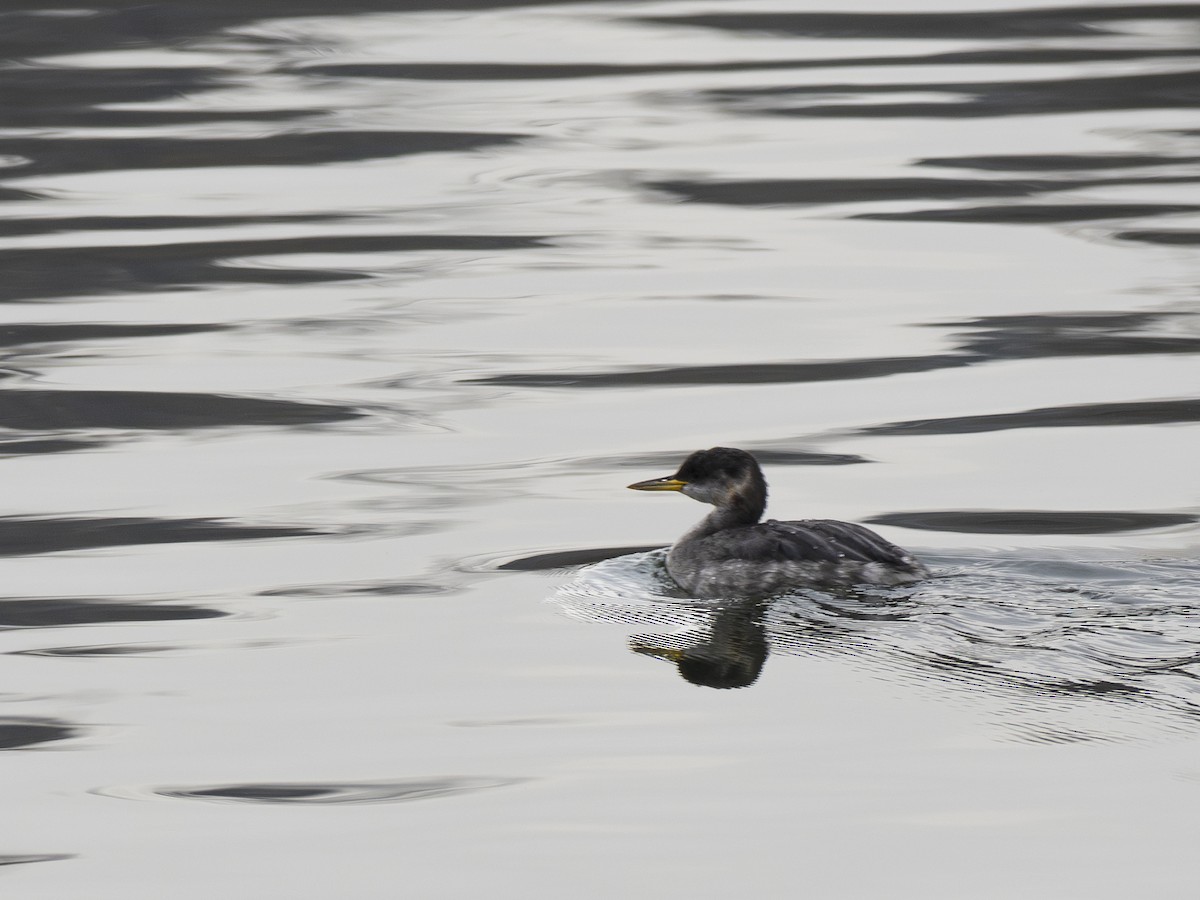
331	341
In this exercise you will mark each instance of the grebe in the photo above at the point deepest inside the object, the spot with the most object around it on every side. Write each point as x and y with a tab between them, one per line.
731	554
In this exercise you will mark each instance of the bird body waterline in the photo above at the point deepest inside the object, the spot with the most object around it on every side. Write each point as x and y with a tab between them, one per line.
731	553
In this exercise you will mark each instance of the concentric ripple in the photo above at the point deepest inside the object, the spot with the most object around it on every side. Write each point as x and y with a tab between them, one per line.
1056	632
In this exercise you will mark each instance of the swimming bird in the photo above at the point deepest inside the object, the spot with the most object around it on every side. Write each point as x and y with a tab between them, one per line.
730	553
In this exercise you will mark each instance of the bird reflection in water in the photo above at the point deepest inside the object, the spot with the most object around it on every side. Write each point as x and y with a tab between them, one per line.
730	653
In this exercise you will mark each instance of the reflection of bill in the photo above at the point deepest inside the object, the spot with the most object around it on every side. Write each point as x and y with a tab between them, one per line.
729	654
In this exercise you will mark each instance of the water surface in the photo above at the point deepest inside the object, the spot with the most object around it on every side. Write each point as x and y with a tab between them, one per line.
332	336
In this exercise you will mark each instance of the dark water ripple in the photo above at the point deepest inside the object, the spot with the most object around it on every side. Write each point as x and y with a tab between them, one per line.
1057	335
18	227
57	155
736	373
819	191
97	651
1046	22
31	32
56	612
47	272
1086	415
979	340
26	333
13	194
809	191
52	410
18	733
25	536
1057	162
15	859
973	99
359	588
1033	521
146	118
533	71
43	95
38	446
1036	214
1180	238
325	793
557	71
561	559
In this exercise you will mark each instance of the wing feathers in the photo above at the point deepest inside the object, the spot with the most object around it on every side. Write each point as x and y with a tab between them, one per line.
810	540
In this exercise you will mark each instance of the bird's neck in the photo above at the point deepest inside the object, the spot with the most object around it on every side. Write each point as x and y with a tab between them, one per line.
742	509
